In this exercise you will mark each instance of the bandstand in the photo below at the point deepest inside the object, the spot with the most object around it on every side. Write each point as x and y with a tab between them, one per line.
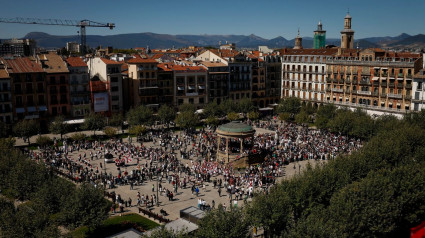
235	140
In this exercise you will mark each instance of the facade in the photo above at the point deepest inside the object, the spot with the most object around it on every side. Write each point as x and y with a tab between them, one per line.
303	73
240	77
24	47
57	74
143	74
418	97
190	85
258	83
73	47
319	39
28	86
6	115
79	87
218	81
298	42
109	72
273	64
347	35
165	84
373	79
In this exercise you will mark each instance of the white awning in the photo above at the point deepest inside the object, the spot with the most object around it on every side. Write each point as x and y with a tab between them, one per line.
398	104
72	122
191	87
180	88
375	78
265	109
199	111
201	87
20	110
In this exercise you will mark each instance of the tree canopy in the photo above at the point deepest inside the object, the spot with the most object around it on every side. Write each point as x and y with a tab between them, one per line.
140	115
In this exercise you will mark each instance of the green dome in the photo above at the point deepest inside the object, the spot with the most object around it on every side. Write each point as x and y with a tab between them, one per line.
235	127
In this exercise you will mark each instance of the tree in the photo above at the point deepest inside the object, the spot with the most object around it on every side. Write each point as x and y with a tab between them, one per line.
245	105
290	105
116	120
162	232
212	109
212	121
187	119
140	115
302	117
325	113
187	107
166	114
110	131
232	116
44	141
284	116
4	130
87	207
137	130
93	122
26	129
79	136
253	115
219	223
58	126
226	107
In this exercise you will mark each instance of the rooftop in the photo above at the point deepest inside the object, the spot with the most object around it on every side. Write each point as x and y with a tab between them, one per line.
76	62
236	127
107	61
22	65
53	63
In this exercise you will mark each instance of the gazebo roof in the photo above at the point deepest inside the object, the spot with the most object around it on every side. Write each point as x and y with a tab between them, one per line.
236	127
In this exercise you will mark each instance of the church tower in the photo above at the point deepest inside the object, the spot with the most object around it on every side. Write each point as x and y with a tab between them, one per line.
319	40
298	41
347	35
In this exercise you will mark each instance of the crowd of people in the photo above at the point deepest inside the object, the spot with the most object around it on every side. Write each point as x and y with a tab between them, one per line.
187	160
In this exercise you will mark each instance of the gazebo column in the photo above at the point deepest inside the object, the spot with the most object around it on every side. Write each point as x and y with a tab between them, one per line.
227	148
219	142
242	145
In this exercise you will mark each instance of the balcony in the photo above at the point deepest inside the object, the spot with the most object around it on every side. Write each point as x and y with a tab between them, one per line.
5	89
375	94
408	86
397	96
40	90
347	81
338	90
367	93
391	85
400	86
407	97
384	84
363	82
383	95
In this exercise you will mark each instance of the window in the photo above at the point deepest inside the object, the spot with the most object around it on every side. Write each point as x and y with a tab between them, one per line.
115	98
114	79
114	89
419	85
201	100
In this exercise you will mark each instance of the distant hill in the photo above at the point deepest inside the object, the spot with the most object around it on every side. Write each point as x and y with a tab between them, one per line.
252	41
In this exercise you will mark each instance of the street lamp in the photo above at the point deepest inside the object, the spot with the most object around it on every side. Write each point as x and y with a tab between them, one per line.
157	190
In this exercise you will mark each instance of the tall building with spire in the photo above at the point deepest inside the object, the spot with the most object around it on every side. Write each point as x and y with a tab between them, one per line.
319	40
347	35
298	41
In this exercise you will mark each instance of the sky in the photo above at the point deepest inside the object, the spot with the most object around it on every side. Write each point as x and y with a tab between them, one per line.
264	18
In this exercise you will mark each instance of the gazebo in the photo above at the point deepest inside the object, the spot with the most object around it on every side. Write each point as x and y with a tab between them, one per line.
233	140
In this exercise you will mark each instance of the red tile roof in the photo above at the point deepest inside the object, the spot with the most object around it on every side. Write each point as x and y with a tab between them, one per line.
76	62
107	61
4	74
139	60
332	51
188	68
23	65
165	66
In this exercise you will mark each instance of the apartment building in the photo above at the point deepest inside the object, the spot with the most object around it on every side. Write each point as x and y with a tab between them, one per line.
28	87
6	114
143	74
79	87
109	73
273	64
165	84
218	80
57	75
258	82
190	85
303	73
240	77
373	79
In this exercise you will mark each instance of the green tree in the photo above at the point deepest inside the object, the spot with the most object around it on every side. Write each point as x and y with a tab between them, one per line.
245	105
4	130
226	107
58	126
87	207
94	122
253	115
116	120
26	129
44	141
212	121
212	109
325	113
187	119
290	105
187	107
137	130
79	136
140	115
232	116
342	122
166	114
110	131
219	223
284	116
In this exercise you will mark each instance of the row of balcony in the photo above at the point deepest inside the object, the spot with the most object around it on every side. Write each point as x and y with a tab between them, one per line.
369	93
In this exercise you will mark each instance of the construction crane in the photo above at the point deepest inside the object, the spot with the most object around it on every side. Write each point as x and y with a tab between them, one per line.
82	24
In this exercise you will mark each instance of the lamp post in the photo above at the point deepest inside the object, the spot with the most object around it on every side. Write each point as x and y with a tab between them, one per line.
157	190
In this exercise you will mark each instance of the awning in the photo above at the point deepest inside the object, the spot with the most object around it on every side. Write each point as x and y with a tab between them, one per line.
201	87
375	78
199	111
265	109
31	109
191	87
180	88
72	122
20	110
42	108
398	104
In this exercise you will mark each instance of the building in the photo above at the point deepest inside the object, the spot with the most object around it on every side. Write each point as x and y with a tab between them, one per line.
240	77
109	73
375	80
57	75
347	35
73	47
218	80
303	73
190	85
298	41
165	84
258	82
16	47
143	74
319	39
79	87
418	94
273	64
6	114
210	56
28	86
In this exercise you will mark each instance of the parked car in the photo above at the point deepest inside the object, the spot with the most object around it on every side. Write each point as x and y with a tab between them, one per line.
109	158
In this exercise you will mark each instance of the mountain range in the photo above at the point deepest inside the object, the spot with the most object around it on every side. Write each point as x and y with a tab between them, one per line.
153	40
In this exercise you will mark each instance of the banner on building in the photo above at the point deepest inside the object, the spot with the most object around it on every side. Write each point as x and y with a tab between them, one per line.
101	102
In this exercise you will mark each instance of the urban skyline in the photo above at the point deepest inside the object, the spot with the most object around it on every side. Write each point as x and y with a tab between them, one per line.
268	20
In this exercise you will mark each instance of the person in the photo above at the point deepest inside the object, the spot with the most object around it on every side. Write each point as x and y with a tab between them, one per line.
153	187
197	191
213	204
219	191
129	202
